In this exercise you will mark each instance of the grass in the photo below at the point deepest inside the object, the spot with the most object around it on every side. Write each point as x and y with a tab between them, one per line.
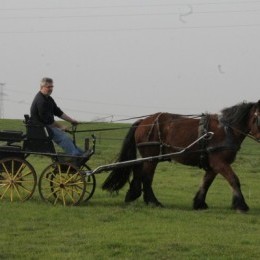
107	228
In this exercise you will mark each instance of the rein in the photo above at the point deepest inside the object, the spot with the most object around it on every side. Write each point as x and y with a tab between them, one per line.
98	130
245	134
123	127
130	118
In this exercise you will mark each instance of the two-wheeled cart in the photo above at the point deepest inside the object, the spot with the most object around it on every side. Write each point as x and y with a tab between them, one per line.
63	181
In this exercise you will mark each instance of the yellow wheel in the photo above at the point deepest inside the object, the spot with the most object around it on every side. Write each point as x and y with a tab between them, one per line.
62	183
17	179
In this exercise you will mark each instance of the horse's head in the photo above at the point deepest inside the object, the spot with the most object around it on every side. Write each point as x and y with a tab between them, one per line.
254	122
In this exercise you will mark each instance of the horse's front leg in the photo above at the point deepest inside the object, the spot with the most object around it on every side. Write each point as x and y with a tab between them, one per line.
238	201
200	197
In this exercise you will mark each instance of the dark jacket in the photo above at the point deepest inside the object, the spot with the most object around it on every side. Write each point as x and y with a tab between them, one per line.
43	109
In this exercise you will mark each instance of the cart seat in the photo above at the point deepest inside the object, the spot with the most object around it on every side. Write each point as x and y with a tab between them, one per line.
11	136
38	138
12	145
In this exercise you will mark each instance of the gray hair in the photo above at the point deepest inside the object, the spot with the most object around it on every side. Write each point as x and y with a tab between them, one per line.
44	81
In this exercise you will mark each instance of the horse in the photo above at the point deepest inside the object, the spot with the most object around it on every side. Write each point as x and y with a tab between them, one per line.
163	133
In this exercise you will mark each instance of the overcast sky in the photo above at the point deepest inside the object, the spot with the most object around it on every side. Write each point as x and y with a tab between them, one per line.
126	58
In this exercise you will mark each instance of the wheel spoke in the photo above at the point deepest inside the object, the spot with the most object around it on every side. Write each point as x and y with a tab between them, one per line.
24	188
63	197
4	182
70	189
52	181
53	192
56	199
20	169
24	181
11	191
18	179
69	179
62	182
17	191
72	198
6	171
7	188
23	175
68	169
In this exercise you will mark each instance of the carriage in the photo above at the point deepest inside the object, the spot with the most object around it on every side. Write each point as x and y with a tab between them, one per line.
63	181
208	141
67	180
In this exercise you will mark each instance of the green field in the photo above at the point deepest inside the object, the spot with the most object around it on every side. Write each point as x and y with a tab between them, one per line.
107	228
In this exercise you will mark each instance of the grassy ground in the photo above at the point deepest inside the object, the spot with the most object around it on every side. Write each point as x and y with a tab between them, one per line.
107	228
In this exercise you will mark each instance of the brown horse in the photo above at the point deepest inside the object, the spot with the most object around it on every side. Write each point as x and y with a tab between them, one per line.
163	133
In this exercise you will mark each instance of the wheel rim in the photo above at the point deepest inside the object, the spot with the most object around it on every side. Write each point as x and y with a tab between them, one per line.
17	179
90	187
62	183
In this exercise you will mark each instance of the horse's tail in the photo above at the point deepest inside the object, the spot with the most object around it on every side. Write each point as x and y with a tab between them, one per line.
119	176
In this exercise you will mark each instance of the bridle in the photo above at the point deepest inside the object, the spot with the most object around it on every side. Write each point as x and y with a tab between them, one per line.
257	119
257	122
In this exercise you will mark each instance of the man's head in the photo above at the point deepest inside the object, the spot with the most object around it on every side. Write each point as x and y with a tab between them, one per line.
46	86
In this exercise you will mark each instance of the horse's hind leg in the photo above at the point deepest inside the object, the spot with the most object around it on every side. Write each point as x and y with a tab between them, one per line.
147	179
200	197
135	190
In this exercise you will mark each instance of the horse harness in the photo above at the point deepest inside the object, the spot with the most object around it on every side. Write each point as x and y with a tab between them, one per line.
160	143
204	148
203	143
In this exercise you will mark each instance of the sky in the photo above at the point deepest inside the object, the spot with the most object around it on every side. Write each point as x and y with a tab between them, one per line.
117	59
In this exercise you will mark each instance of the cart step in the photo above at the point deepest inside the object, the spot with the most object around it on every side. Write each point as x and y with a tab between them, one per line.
11	136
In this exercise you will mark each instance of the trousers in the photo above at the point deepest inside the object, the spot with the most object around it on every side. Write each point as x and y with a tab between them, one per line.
65	142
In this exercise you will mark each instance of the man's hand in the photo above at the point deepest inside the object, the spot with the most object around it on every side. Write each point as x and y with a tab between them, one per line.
74	122
64	128
69	119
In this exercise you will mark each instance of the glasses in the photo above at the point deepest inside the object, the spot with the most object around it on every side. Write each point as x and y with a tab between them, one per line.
48	87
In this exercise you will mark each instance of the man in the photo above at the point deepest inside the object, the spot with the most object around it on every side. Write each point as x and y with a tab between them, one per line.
43	110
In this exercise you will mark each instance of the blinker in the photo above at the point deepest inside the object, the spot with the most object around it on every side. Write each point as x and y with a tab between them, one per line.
258	120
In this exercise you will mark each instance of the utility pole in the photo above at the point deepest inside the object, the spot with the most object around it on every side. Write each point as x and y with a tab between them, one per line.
2	85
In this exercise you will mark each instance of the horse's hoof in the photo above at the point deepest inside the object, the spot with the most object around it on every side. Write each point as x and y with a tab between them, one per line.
243	209
154	203
131	196
240	207
239	204
200	206
159	204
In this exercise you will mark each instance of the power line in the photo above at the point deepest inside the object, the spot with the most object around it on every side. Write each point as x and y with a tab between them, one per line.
22	101
130	15
103	114
130	6
136	29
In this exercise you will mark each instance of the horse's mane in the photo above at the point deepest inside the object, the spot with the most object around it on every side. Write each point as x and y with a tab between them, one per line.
237	115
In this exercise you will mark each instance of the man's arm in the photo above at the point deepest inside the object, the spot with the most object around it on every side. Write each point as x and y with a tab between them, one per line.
68	119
